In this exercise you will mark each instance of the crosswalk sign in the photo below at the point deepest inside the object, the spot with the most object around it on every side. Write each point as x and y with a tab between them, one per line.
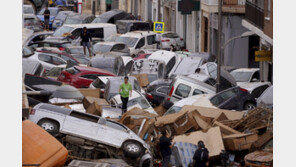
158	27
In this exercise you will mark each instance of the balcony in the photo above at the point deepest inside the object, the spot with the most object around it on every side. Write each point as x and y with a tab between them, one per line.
228	6
255	15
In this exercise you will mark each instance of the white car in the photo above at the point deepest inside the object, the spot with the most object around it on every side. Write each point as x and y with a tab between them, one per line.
171	38
89	132
136	100
183	87
243	75
138	40
255	88
48	61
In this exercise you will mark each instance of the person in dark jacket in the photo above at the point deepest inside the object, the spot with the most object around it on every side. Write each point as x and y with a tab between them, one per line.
85	40
46	15
201	156
165	148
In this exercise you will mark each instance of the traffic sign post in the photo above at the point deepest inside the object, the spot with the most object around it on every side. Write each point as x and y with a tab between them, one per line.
158	27
79	7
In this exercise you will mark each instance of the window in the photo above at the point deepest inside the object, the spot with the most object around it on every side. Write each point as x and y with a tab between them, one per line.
72	70
90	76
258	91
183	90
170	64
118	47
84	116
45	58
255	77
57	61
268	10
212	70
197	92
141	43
163	90
211	82
151	39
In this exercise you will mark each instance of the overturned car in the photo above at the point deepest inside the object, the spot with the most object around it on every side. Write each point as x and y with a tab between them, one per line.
91	137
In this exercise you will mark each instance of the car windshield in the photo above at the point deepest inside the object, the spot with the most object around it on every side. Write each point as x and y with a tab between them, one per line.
62	30
61	16
139	100
241	76
172	110
129	41
28	10
105	63
170	35
102	48
73	21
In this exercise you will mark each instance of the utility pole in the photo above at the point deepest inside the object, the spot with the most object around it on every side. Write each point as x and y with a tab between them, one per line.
158	10
219	46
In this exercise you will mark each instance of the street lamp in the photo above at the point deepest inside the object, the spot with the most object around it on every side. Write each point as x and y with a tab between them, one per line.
243	35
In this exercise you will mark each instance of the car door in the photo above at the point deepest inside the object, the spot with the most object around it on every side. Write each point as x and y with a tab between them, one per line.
140	45
85	80
151	42
80	124
228	99
182	91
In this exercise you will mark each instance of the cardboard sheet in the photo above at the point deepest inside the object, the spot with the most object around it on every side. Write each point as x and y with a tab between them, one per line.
212	139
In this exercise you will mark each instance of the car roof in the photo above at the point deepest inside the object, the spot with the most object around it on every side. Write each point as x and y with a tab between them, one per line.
80	16
137	34
158	55
92	25
246	70
91	69
111	13
132	21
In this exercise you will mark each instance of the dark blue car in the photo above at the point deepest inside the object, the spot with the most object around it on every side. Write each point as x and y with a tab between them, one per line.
53	13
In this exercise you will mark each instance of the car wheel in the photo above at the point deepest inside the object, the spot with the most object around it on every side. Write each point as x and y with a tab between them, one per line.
249	106
50	126
132	149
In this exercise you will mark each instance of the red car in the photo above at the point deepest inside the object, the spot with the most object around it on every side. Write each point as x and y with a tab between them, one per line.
82	77
142	56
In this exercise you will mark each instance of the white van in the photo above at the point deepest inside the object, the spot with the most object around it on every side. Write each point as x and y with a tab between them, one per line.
97	30
138	40
183	87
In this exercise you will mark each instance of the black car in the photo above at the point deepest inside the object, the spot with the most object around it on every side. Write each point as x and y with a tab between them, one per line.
235	98
157	91
112	16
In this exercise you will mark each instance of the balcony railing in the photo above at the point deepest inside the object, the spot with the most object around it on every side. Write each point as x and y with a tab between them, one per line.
255	15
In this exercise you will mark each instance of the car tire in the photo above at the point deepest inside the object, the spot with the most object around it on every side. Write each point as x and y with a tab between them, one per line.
249	106
132	149
50	126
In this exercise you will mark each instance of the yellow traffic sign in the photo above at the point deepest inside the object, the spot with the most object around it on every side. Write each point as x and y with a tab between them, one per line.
158	27
263	55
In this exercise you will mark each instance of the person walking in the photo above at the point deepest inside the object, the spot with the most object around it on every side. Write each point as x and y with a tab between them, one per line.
46	16
165	148
201	155
125	91
85	40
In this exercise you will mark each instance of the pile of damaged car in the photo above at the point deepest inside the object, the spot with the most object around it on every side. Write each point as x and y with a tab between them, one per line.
135	97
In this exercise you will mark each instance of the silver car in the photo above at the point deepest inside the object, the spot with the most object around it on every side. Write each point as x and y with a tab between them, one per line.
90	132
